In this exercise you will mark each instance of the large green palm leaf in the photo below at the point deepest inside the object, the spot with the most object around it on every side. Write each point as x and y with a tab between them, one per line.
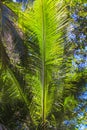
47	21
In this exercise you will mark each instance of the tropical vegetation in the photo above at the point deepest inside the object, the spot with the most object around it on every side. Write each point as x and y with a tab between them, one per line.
43	65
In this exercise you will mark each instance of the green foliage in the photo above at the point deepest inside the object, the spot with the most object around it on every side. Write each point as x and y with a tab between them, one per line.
40	90
45	24
69	103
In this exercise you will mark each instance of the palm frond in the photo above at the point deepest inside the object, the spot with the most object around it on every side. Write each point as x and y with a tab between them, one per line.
15	91
47	21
